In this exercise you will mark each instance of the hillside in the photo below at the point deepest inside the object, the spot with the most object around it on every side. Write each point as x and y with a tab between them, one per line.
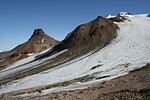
38	42
107	58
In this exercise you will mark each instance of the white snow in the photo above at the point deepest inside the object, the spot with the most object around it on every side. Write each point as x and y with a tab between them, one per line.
26	60
30	54
110	16
123	14
129	51
42	40
21	66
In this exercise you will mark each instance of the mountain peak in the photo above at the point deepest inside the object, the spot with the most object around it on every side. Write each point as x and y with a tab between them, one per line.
38	42
86	37
38	31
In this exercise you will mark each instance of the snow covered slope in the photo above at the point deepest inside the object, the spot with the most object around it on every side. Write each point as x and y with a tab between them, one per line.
27	63
129	51
28	59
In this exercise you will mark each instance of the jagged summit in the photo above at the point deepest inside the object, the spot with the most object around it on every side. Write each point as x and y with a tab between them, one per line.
38	32
39	37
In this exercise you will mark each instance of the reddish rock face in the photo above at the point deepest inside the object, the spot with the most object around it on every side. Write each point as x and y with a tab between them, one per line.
39	41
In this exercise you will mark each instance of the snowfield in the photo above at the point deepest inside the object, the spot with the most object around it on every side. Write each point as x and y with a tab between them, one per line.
24	64
31	57
129	51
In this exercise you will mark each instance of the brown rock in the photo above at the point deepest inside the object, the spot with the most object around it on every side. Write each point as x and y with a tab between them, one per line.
39	41
86	37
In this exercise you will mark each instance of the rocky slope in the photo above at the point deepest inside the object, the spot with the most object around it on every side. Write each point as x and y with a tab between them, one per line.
39	41
108	69
86	37
134	86
93	35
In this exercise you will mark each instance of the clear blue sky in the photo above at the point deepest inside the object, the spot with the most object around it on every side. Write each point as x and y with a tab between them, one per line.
18	18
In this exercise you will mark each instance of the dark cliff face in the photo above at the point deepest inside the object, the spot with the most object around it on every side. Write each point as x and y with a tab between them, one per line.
86	37
39	41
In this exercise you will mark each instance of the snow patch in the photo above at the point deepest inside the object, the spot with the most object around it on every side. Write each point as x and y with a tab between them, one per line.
124	13
42	40
20	66
30	54
110	16
28	59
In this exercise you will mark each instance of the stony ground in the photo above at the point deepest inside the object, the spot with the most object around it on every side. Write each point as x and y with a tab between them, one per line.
134	86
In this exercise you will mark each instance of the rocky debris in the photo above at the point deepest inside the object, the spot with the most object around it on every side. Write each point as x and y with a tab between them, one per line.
126	94
135	88
39	41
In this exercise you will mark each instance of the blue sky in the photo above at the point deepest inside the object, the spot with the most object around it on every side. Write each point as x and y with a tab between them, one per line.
19	18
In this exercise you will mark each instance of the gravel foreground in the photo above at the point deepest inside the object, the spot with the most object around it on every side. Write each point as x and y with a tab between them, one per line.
134	86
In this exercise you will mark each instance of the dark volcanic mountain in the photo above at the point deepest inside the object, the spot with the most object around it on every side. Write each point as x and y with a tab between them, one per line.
39	41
